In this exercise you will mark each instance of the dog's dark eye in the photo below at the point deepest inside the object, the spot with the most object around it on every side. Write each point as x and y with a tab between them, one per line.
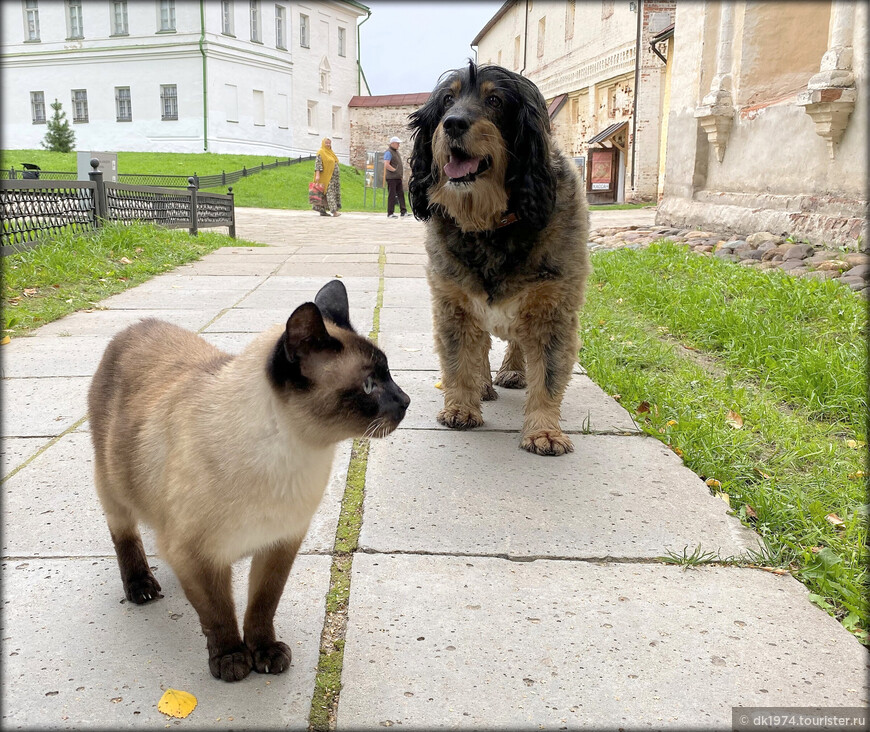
448	100
493	101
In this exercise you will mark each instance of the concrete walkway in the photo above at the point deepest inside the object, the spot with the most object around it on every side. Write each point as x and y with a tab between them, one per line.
492	588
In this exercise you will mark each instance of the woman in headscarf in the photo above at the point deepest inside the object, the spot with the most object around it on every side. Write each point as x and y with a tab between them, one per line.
326	173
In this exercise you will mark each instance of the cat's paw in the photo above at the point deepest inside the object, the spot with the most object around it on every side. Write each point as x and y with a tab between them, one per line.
142	588
547	442
459	419
510	379
488	393
233	664
271	658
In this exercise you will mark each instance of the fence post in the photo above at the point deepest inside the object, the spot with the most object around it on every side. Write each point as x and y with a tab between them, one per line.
232	212
244	171
195	180
101	205
12	173
191	188
223	178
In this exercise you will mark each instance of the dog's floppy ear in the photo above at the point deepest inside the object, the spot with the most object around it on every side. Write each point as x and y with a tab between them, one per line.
530	174
423	176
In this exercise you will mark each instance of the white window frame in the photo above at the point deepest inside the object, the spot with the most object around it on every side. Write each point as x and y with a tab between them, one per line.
342	41
227	24
325	76
37	100
168	98
304	31
256	29
74	20
123	102
31	21
281	27
312	117
232	102
283	111
79	106
166	17
258	107
337	121
122	28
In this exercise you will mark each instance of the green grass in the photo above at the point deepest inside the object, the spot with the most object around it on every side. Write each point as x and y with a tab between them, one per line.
76	271
702	341
284	187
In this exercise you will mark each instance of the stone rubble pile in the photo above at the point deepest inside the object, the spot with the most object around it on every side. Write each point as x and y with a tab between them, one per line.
761	250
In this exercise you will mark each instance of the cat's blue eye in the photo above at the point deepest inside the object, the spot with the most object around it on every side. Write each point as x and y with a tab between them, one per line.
369	385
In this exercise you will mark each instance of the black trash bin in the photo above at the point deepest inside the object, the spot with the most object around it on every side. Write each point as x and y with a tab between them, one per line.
31	171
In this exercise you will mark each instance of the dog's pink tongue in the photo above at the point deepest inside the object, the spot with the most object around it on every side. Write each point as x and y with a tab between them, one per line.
459	168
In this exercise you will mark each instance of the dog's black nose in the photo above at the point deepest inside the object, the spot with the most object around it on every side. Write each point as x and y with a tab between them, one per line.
455	126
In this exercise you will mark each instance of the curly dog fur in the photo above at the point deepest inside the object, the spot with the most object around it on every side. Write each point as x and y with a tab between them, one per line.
506	244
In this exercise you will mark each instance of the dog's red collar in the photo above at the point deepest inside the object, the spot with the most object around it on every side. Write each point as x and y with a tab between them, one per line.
507	220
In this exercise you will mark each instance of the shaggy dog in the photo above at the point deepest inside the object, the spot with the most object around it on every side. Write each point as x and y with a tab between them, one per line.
506	245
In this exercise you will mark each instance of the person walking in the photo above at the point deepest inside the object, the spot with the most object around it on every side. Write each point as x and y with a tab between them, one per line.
393	172
326	173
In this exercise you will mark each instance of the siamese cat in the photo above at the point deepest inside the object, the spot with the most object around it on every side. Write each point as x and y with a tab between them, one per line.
228	456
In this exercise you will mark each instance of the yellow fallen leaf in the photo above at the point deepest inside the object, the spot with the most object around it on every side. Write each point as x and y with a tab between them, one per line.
855	444
725	497
713	483
834	520
671	422
439	385
176	703
734	419
852	476
6	339
677	450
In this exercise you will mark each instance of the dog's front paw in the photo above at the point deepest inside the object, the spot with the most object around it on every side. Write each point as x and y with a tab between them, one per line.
511	379
271	658
232	664
547	442
488	393
458	418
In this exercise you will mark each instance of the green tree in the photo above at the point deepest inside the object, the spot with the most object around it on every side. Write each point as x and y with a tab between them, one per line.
59	137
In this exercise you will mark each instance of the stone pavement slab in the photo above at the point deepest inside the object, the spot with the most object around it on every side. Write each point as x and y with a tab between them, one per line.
42	407
256	320
585	407
614	496
52	355
110	322
481	643
76	655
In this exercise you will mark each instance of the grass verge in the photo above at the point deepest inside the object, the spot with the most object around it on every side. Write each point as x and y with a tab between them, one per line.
758	381
285	187
76	271
327	682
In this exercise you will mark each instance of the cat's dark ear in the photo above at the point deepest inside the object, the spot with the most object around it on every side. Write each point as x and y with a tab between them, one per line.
332	301
306	332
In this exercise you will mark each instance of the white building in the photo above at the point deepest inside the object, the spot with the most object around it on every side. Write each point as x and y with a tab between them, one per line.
222	76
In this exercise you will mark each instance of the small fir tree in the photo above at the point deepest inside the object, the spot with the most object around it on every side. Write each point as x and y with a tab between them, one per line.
59	137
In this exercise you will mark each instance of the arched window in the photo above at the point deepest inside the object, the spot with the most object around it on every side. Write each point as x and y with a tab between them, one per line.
325	70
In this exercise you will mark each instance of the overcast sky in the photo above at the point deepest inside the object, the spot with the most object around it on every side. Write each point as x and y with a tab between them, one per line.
406	45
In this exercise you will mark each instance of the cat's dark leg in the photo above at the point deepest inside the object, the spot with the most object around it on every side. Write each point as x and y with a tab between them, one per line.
140	586
269	570
209	588
512	374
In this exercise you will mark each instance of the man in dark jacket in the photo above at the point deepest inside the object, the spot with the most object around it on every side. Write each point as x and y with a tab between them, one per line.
393	172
